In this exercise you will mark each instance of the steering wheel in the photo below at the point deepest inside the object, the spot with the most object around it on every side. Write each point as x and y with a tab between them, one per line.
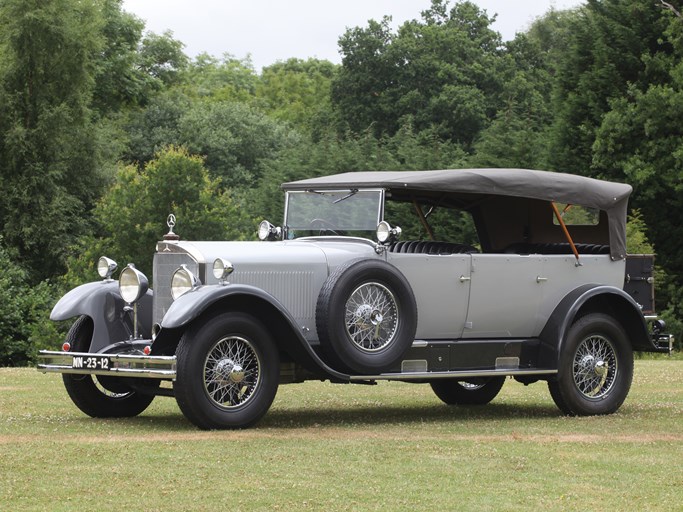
323	225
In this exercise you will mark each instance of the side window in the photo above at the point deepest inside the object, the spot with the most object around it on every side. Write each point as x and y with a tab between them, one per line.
447	224
575	215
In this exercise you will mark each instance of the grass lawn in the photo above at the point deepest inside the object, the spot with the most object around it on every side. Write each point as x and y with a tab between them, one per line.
388	447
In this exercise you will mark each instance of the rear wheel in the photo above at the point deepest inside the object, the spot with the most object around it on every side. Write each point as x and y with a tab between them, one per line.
228	372
596	367
474	391
100	397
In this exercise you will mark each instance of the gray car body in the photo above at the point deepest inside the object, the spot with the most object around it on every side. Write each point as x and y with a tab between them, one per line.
474	297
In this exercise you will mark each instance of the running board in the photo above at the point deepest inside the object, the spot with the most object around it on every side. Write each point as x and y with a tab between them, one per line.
468	374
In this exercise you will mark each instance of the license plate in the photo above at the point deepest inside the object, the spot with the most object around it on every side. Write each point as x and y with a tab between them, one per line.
91	363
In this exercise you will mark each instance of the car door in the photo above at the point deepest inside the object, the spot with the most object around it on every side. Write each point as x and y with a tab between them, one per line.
505	296
441	284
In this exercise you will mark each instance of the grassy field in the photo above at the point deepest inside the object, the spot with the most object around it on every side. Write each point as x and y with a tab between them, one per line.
388	447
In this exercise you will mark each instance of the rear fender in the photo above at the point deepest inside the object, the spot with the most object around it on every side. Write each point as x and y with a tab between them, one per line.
590	299
102	302
250	299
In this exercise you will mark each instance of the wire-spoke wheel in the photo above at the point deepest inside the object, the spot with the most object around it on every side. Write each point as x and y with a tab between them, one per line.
228	370
366	316
371	316
231	372
595	369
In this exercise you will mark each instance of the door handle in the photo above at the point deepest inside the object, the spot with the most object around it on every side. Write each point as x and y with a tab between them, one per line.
464	279
540	279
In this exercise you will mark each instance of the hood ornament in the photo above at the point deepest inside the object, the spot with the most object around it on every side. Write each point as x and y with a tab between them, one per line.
171	222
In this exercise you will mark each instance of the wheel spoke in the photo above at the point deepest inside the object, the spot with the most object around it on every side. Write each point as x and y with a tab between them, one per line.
231	372
371	316
595	367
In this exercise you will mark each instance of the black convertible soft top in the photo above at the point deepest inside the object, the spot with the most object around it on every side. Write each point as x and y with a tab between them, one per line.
523	183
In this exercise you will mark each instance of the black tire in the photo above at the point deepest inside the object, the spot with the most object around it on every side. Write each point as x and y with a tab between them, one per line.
595	369
100	397
474	391
366	316
228	372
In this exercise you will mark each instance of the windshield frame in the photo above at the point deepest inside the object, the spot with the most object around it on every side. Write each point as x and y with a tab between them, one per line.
344	193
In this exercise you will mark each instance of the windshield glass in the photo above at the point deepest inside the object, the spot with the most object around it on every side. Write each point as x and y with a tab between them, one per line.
333	212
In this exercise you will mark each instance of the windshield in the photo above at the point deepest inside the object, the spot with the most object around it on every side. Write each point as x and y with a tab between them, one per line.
333	212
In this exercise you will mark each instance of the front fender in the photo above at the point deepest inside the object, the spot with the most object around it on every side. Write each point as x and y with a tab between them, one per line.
190	306
596	298
102	302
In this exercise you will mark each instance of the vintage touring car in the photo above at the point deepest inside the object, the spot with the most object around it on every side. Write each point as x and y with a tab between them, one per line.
335	294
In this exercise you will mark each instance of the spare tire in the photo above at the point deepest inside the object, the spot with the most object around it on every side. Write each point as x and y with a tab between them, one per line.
366	316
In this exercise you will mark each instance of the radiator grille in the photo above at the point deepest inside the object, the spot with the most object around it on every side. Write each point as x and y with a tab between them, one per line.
293	288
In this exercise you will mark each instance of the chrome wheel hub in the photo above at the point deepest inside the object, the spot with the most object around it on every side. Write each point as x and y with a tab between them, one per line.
595	366
231	372
371	316
365	316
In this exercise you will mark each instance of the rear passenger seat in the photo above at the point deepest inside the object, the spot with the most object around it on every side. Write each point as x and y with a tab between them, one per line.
430	247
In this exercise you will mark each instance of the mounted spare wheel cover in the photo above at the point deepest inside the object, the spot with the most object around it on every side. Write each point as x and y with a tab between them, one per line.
366	316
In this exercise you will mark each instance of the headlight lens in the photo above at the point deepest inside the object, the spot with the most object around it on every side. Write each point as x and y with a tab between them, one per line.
106	267
222	268
183	281
266	231
133	284
385	233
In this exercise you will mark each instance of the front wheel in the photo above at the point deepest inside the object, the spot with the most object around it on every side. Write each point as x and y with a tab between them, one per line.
596	367
474	391
100	397
228	372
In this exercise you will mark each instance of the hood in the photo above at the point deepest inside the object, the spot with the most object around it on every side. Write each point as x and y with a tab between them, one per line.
319	255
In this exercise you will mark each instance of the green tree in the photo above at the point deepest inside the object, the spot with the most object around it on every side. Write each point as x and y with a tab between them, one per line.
234	138
132	213
296	91
442	71
517	135
222	79
49	151
117	83
639	141
161	57
614	45
150	129
24	325
131	68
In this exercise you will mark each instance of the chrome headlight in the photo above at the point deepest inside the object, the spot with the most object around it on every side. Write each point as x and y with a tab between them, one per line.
106	267
266	231
133	284
182	282
385	233
222	268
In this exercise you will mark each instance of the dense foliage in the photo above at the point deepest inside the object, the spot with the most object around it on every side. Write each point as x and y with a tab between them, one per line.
104	129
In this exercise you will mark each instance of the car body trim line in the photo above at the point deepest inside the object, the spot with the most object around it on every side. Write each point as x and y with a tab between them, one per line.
454	374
